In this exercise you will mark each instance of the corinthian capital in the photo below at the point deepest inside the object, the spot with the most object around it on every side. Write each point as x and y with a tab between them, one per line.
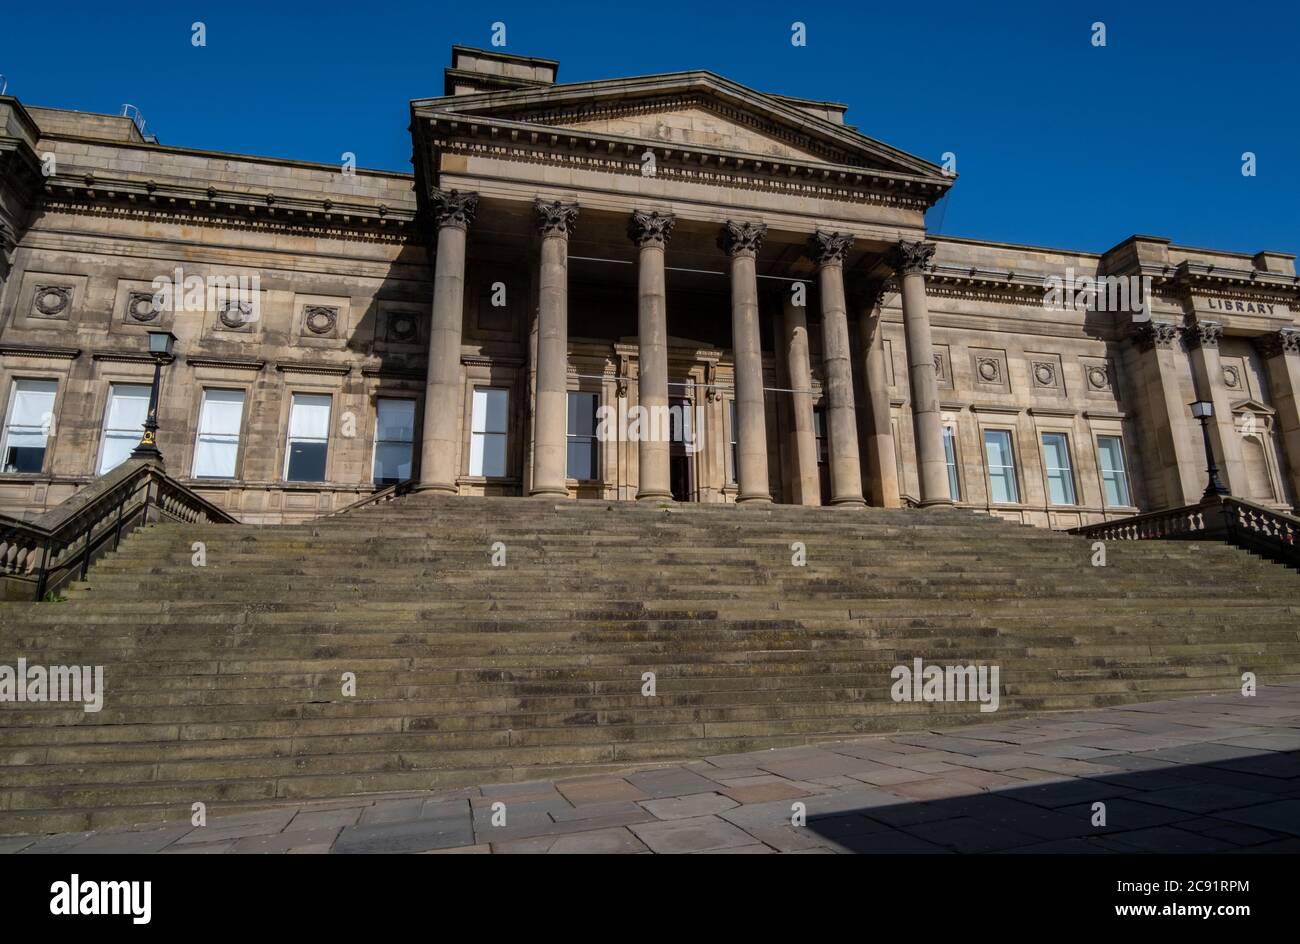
905	256
1203	334
829	248
1156	334
556	218
650	228
738	239
453	207
1286	341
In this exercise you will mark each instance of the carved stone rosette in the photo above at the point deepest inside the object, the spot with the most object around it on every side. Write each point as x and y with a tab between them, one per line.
1286	341
453	207
556	218
1156	334
741	238
1203	334
829	248
650	228
905	257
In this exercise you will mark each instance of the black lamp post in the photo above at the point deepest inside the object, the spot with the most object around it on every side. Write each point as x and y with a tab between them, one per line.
1203	410
160	346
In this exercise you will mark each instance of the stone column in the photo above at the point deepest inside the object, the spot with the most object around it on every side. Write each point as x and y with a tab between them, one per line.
550	446
803	433
882	462
741	241
828	251
1281	352
910	260
443	401
650	232
1202	338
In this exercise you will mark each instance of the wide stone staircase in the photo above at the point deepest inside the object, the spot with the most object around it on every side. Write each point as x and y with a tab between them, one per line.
509	639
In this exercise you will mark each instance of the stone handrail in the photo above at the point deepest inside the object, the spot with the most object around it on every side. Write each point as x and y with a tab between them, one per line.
1254	527
43	553
379	497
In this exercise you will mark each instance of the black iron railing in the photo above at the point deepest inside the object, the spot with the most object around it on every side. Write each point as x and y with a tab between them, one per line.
40	556
1265	531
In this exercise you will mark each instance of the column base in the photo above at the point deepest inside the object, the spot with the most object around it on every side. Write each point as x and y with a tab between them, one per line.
549	493
937	503
753	499
654	496
852	502
436	487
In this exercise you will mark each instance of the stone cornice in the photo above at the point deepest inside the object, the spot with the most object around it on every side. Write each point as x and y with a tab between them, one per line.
334	370
1205	278
225	363
39	352
88	193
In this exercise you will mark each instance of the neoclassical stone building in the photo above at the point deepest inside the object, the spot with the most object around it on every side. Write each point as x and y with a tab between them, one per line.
568	262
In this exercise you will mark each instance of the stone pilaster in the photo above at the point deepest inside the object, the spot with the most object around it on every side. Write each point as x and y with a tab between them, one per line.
453	213
1202	340
882	461
910	260
792	344
555	221
741	242
1176	461
650	232
828	251
1281	353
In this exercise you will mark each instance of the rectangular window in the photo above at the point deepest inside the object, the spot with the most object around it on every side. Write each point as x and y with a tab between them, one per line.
217	446
950	457
394	440
583	455
27	427
1060	475
309	435
1114	477
487	445
128	408
1001	464
732	452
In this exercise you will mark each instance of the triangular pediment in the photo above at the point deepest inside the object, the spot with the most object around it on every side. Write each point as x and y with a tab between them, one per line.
693	110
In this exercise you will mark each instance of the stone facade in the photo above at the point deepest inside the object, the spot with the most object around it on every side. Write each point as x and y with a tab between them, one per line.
744	264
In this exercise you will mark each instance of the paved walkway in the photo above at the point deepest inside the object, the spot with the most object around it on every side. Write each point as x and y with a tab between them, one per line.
1208	774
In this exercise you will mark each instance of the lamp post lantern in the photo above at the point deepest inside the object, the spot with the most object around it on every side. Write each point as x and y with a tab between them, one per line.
160	346
1203	410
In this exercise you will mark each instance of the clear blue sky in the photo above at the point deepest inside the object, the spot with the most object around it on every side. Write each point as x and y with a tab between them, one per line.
1058	143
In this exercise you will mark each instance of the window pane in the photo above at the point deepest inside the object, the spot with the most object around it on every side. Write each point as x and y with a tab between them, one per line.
310	417
396	421
30	414
490	409
217	446
1110	450
582	414
306	462
1001	465
128	407
494	454
392	463
950	456
582	459
1060	477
